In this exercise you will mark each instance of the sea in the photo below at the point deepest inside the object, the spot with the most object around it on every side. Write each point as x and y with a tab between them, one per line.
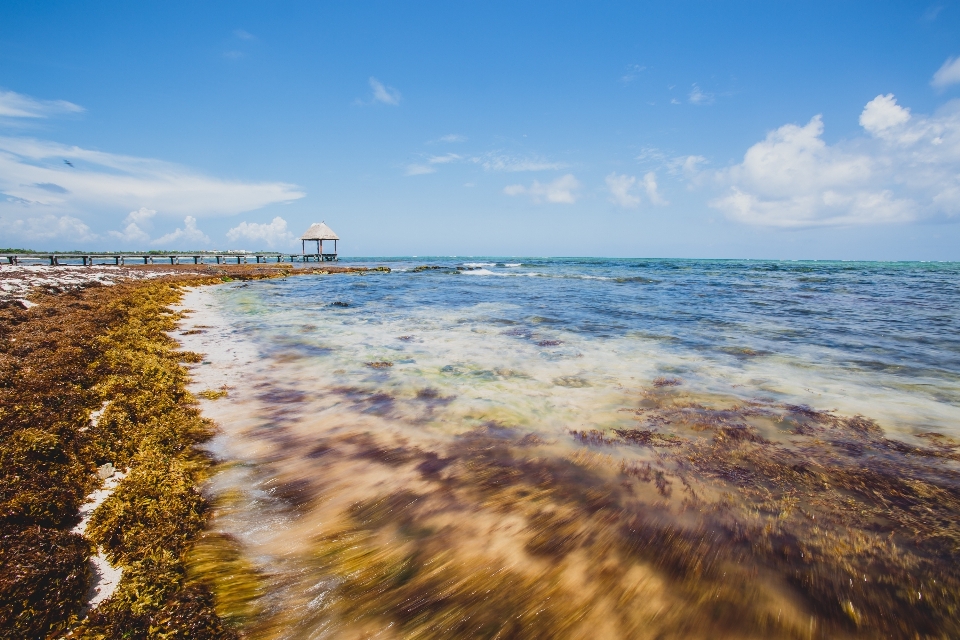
459	447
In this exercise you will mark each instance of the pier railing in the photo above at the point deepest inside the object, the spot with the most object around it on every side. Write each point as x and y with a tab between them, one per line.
90	259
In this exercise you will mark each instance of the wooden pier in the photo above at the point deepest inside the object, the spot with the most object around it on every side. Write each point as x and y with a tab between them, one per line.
91	259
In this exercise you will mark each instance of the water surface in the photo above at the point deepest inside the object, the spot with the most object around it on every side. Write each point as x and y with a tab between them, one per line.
586	448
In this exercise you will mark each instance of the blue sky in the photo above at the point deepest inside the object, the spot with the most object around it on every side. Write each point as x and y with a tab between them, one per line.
687	129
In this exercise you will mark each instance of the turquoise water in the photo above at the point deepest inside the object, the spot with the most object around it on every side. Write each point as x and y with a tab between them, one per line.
829	334
481	410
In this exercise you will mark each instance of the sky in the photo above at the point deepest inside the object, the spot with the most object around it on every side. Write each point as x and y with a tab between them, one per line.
768	130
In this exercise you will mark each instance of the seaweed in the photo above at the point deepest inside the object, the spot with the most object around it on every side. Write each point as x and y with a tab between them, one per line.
58	363
45	574
736	533
214	394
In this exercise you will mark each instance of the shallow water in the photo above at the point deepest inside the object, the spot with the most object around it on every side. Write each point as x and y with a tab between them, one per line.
582	448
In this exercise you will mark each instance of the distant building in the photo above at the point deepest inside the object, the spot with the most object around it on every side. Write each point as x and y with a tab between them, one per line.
318	232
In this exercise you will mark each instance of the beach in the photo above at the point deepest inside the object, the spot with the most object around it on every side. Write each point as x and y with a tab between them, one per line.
538	448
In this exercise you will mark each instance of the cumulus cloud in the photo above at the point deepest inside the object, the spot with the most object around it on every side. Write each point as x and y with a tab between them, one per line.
623	190
688	166
947	74
47	227
33	175
273	234
904	168
883	113
135	223
17	105
384	94
650	186
189	234
562	190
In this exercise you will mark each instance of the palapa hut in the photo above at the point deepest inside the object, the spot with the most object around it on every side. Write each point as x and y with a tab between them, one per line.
318	232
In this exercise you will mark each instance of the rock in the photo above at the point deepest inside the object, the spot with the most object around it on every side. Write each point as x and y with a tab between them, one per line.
106	470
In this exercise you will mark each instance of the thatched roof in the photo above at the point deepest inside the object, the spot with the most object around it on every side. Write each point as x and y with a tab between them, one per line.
319	231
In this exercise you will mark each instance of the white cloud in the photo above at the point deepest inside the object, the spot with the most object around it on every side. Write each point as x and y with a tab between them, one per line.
188	234
47	227
503	162
33	175
141	216
882	113
931	13
688	166
560	190
419	169
621	190
453	137
905	168
651	154
17	105
697	96
136	221
384	94
244	35
444	159
650	186
633	71
132	233
273	234
947	74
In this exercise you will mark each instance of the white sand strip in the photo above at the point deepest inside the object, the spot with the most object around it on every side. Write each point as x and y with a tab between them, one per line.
18	281
104	576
